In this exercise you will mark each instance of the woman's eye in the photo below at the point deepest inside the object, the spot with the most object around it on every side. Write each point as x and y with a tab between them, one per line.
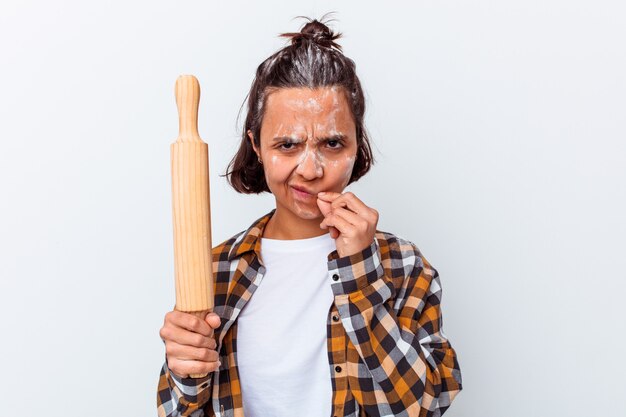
334	144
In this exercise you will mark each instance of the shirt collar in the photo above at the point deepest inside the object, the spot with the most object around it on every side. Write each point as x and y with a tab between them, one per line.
251	240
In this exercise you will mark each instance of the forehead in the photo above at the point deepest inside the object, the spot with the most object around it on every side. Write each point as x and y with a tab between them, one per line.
306	109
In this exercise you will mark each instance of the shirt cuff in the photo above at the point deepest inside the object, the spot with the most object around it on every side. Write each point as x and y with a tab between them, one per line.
354	272
190	388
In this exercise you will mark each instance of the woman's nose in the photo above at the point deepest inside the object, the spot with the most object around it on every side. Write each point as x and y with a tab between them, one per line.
310	166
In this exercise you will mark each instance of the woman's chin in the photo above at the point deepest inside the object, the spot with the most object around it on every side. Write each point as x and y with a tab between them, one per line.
308	213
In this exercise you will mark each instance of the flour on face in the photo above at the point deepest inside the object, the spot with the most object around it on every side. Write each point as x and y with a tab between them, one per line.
308	137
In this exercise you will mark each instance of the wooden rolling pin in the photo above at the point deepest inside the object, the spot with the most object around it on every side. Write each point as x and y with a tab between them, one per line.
191	208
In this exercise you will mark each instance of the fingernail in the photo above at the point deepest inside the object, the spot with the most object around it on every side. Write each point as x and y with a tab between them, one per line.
321	193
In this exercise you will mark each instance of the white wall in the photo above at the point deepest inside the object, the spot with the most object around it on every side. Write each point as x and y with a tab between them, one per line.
499	129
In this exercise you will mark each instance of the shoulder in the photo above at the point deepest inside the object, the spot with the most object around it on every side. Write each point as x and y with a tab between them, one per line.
242	241
222	250
399	252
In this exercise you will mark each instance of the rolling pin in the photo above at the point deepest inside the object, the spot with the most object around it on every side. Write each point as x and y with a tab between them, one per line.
191	210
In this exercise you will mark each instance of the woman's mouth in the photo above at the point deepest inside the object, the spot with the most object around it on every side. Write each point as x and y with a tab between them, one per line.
301	194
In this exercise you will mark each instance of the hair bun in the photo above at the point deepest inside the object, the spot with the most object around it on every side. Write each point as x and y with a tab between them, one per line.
314	31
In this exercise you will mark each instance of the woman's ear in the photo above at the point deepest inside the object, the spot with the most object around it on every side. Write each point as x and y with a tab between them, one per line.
251	137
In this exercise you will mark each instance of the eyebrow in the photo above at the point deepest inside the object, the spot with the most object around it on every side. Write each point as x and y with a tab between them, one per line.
327	138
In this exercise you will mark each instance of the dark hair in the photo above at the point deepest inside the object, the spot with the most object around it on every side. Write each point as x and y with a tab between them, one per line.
312	60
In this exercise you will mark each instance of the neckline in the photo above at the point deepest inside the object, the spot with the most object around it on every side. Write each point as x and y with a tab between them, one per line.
297	244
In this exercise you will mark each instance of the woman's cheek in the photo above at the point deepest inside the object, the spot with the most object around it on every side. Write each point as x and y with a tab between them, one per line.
279	168
345	167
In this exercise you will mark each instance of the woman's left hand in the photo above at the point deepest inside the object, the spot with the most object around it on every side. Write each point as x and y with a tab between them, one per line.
352	223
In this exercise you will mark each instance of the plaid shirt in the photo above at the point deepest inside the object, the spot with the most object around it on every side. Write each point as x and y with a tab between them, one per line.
387	352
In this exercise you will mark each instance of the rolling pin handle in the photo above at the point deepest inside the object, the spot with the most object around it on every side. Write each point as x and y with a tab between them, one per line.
187	92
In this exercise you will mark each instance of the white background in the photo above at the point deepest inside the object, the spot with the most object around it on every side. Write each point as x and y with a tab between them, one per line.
499	133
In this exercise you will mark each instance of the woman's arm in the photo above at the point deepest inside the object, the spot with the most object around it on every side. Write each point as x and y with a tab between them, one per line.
397	331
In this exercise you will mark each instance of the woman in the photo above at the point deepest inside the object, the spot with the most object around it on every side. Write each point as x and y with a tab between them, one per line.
317	313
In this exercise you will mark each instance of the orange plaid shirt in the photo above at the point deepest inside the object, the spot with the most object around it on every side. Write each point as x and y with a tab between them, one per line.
387	352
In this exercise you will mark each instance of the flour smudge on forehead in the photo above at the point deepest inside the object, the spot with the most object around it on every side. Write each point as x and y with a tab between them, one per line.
314	106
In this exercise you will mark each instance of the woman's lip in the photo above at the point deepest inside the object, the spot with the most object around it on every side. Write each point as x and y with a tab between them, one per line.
301	194
302	190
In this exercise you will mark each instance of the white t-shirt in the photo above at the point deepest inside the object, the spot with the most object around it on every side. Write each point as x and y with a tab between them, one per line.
282	351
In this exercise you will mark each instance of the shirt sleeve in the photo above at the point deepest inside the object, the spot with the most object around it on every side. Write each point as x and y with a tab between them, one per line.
398	331
182	396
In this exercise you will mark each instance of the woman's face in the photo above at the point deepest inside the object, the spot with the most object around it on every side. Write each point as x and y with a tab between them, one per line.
308	142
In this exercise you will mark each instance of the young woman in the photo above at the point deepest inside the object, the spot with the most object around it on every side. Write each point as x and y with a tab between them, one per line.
317	312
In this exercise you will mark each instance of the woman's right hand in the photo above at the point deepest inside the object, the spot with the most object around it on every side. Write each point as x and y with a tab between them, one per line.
189	343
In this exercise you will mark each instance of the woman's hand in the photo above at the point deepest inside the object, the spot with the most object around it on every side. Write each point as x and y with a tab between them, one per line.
352	223
189	343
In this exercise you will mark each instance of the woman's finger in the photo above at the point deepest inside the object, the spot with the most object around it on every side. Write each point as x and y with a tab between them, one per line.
344	227
182	352
350	216
324	206
184	368
185	337
347	200
189	322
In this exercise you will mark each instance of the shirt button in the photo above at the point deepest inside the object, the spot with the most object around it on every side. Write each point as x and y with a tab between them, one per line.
335	277
335	317
338	368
